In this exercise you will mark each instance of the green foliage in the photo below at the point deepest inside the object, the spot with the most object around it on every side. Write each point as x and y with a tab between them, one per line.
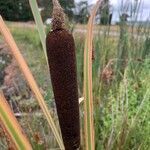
18	10
30	45
122	106
146	51
104	12
83	12
123	49
123	122
30	36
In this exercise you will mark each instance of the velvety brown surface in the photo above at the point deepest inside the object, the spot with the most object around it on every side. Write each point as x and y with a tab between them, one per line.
62	62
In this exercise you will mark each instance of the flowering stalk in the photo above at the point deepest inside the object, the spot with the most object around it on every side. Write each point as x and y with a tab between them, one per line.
62	62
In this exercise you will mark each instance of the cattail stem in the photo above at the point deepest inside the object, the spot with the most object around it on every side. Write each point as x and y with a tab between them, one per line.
62	62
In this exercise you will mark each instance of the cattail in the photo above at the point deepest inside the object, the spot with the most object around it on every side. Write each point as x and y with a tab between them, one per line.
62	62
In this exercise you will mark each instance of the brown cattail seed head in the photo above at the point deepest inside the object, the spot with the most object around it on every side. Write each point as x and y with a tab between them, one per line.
58	21
62	62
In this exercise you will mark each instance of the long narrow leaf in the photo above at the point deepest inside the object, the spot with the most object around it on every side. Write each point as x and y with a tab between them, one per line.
12	126
88	103
29	77
39	24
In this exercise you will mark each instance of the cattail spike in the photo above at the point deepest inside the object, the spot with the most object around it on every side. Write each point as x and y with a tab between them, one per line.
62	62
58	21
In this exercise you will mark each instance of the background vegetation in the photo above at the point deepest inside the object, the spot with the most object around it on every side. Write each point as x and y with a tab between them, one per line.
78	12
121	87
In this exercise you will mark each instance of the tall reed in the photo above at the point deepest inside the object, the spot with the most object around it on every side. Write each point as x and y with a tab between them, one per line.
88	90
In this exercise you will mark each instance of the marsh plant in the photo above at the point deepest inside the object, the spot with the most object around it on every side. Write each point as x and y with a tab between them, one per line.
117	81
